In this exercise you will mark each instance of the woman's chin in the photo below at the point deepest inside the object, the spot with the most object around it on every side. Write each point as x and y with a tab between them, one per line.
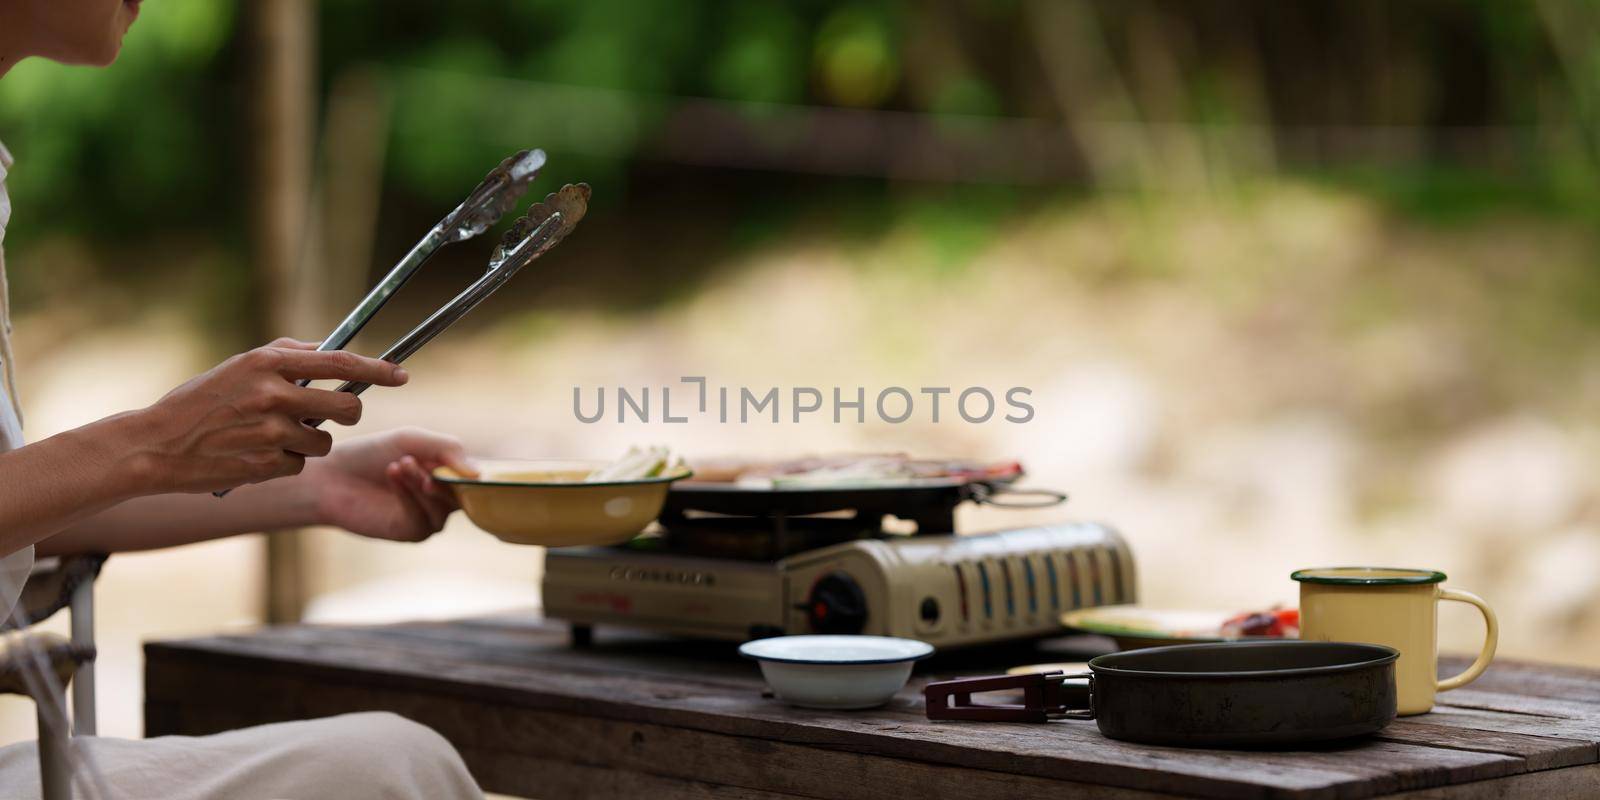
108	51
126	15
100	53
104	57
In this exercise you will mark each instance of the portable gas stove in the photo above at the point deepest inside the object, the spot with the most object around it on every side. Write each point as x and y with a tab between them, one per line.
739	564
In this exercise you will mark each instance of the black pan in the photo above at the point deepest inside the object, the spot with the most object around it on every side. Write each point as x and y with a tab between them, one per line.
1232	694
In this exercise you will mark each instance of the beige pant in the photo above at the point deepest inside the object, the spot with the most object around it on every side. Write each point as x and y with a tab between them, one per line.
350	757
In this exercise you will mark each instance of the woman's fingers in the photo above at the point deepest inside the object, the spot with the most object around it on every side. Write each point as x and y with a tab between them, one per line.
299	402
457	460
238	415
424	515
416	517
341	365
270	435
304	439
425	492
435	450
432	508
264	465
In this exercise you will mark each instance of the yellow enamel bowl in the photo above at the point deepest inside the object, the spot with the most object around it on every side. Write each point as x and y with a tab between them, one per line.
547	502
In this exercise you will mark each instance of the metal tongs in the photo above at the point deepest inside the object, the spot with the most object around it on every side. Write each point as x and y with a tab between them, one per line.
531	236
497	194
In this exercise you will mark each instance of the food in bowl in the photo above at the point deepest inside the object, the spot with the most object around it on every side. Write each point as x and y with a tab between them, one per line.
638	463
836	672
559	503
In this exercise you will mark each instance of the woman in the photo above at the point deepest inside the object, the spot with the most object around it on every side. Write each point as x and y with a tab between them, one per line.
143	479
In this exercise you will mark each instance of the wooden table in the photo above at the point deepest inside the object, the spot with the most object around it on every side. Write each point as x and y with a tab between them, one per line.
642	716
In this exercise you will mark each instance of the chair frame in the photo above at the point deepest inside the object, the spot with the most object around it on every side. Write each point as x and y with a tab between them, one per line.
55	764
80	610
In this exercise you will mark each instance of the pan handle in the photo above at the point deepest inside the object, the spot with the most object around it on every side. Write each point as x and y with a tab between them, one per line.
1044	697
986	494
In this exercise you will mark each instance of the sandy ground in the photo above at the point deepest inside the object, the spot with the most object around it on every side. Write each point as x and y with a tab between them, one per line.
1220	407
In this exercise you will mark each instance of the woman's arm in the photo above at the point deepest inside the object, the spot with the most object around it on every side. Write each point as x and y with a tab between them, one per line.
53	483
376	486
168	520
240	423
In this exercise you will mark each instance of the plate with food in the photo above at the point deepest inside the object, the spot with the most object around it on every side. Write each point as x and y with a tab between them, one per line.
874	483
1134	627
559	503
854	470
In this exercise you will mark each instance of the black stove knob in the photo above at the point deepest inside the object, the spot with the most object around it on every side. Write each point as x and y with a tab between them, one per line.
837	604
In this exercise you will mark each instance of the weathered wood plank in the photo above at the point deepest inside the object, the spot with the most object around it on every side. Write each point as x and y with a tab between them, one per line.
1482	711
758	763
1538	752
546	779
1489	700
551	755
1574	783
520	667
247	691
1532	680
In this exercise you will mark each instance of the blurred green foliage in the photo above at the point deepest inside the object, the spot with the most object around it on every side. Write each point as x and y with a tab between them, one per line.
106	153
856	55
158	144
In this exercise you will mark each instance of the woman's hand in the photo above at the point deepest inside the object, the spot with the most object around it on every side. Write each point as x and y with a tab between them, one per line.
242	422
380	485
239	423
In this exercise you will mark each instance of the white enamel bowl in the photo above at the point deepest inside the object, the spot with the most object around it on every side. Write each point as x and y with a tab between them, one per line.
836	672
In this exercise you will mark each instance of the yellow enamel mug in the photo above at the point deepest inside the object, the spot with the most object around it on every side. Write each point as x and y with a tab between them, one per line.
1394	607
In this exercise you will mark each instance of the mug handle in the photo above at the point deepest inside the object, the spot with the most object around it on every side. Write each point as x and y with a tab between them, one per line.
1491	638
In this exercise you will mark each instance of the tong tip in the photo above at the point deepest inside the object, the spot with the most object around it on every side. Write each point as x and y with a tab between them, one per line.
561	209
524	165
496	194
570	201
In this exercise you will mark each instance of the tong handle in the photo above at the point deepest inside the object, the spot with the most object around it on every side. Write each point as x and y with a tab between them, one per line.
380	294
1045	696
